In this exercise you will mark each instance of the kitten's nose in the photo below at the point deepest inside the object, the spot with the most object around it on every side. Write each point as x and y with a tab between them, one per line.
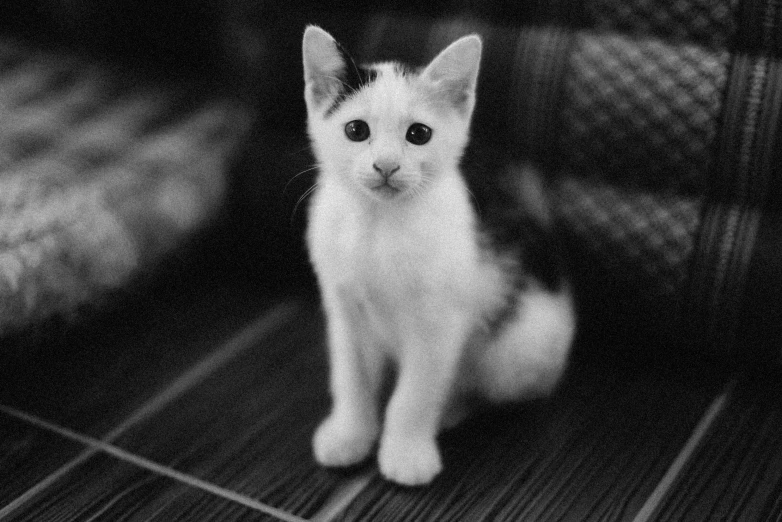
386	168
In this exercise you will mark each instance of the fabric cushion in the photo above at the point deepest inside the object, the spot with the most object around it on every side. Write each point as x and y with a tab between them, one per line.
101	173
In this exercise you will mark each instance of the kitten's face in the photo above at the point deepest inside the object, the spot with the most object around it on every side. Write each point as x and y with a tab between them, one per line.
385	131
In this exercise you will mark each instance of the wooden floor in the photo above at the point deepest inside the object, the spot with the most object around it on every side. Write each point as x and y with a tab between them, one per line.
199	404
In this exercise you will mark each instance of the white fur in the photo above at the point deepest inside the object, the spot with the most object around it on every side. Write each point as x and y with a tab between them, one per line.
402	274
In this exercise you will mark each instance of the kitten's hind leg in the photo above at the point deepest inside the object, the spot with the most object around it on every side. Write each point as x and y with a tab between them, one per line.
348	435
530	355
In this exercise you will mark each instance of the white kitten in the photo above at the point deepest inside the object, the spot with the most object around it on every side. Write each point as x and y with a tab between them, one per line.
406	275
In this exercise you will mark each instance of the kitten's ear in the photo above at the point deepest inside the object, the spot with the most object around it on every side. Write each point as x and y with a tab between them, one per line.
324	65
455	71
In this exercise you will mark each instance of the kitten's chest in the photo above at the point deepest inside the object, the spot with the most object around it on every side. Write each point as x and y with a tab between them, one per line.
379	251
386	253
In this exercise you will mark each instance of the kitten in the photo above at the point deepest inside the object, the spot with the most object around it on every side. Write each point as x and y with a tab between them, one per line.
408	279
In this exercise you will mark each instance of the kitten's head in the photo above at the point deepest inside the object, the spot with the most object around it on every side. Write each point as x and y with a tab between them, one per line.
384	129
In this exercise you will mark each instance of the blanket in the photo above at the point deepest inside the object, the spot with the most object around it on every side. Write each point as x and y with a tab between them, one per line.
102	172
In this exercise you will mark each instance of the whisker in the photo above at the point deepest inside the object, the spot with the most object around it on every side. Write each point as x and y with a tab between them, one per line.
475	199
302	198
310	169
340	80
306	148
418	190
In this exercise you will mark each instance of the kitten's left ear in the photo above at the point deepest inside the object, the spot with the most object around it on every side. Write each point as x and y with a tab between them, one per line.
324	65
455	71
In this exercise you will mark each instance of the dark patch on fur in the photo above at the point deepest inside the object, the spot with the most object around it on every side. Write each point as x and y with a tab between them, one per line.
406	70
508	224
353	78
512	229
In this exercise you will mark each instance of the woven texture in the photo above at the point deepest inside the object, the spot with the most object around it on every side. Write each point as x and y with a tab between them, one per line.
642	236
702	22
100	175
642	110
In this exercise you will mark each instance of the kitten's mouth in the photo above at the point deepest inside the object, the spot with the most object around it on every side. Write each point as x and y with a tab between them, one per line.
386	190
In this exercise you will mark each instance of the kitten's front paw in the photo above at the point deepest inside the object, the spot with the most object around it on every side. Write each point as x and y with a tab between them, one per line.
409	462
340	443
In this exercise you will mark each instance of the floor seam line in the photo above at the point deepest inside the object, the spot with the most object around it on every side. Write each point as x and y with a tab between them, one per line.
253	332
699	432
150	465
342	498
44	483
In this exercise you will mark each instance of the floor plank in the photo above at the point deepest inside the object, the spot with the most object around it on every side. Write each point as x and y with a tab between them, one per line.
103	488
29	455
595	451
248	426
736	473
104	370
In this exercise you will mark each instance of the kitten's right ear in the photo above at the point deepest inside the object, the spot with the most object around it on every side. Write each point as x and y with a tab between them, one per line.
454	72
324	66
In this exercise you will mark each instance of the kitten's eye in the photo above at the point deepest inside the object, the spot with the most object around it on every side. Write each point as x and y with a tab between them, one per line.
357	130
418	134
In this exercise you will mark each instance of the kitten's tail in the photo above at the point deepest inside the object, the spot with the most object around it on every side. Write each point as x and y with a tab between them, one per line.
529	357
